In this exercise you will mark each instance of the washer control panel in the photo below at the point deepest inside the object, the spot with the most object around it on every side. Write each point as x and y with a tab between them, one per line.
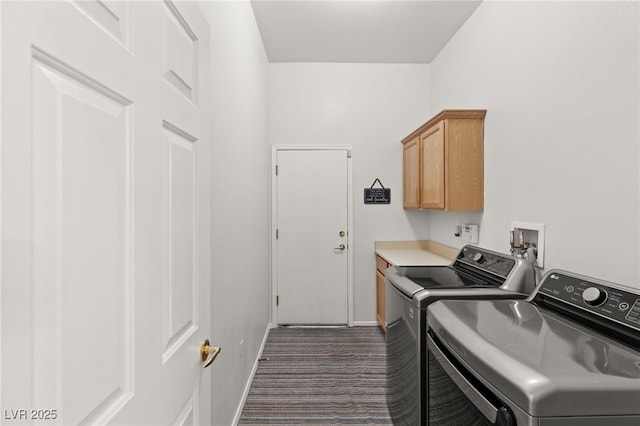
486	260
594	296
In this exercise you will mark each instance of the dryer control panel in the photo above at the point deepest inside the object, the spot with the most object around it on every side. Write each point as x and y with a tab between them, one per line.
593	297
485	260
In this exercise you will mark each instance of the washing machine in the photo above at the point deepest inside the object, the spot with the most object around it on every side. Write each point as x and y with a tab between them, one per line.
567	355
475	273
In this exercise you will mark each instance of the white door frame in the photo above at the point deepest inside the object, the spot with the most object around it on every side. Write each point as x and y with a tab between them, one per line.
274	224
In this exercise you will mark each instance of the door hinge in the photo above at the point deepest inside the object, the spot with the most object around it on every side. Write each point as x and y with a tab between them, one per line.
277	233
348	153
277	300
276	170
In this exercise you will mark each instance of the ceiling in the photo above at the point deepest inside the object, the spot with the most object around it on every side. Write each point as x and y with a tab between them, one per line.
360	31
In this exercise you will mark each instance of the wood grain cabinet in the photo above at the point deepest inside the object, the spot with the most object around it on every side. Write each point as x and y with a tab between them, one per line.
411	173
381	266
443	163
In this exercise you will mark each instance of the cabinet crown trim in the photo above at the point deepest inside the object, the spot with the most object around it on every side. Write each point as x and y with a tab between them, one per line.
444	114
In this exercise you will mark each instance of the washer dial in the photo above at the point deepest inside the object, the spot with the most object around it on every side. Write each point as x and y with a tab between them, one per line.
594	296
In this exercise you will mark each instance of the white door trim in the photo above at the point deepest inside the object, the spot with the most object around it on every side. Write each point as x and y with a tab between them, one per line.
274	224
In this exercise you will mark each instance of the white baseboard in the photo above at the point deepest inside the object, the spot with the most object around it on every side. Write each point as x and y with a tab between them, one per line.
247	386
365	323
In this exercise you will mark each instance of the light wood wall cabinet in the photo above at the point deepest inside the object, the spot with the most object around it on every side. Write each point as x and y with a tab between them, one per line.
381	266
443	163
411	174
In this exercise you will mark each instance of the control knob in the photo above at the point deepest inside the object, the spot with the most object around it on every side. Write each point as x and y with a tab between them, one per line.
478	257
594	296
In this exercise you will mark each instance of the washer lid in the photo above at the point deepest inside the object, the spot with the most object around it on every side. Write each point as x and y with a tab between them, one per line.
545	364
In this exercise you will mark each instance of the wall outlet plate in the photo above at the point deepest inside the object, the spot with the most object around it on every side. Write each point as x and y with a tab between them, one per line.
469	233
534	235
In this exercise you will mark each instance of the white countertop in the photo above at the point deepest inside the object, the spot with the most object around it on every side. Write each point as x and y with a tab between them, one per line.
412	257
415	253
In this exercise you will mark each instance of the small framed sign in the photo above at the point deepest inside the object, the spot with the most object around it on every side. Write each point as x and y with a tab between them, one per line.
377	195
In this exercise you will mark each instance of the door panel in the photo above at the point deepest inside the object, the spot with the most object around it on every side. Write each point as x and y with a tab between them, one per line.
113	17
104	222
188	414
312	201
81	178
432	181
411	174
184	72
180	285
180	53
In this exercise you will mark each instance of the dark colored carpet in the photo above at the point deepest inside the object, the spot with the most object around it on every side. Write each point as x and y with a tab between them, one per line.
320	376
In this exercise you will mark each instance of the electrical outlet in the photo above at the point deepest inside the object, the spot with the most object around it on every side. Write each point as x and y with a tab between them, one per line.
241	350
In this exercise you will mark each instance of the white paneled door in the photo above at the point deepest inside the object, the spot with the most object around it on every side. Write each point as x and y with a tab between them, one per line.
312	249
104	213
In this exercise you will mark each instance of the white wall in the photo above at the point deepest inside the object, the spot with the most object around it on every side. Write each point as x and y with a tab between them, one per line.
371	107
560	81
240	201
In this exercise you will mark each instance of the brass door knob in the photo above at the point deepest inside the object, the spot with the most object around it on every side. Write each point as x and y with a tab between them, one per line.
341	247
208	354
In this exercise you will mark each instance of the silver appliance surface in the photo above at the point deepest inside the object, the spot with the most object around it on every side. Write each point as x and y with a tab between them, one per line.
473	267
476	273
570	352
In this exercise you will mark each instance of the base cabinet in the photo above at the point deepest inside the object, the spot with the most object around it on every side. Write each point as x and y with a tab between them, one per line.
381	267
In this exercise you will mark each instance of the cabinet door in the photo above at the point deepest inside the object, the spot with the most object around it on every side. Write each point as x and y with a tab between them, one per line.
380	300
411	174
465	165
432	174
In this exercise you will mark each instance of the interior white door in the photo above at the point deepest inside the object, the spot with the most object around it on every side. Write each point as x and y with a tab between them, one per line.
104	213
312	238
